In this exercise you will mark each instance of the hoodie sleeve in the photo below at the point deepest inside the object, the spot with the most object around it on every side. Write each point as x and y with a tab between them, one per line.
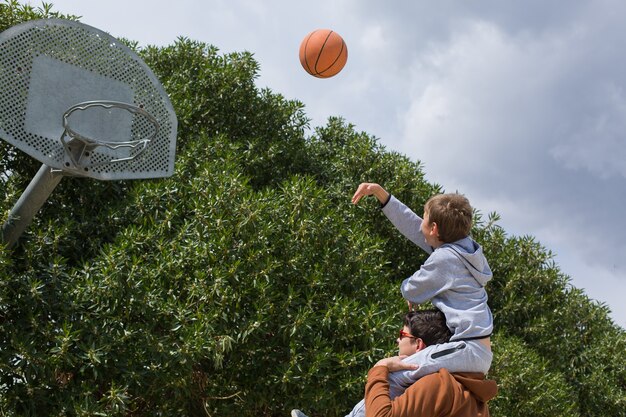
429	281
406	221
427	397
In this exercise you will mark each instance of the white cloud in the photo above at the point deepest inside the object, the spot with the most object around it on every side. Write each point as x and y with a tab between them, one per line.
373	40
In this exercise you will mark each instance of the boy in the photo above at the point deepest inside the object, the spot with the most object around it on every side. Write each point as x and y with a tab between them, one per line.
452	278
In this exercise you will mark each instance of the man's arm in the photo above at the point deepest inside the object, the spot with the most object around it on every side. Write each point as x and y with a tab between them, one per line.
425	398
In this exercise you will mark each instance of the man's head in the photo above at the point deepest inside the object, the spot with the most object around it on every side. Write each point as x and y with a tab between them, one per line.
422	328
448	217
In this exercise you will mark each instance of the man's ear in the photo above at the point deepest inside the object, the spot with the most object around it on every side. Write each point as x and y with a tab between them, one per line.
419	344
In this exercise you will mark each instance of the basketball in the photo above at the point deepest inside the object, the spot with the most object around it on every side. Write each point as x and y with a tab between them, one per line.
323	53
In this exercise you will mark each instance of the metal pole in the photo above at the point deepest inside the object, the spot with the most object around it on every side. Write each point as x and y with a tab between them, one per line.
37	192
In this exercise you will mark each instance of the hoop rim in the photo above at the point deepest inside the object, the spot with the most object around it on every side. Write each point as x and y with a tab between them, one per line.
107	104
90	143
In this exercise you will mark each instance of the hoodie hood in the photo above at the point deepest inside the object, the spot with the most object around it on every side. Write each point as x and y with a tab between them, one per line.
471	254
483	389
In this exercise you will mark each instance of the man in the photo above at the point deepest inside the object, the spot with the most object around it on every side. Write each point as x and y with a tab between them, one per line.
437	394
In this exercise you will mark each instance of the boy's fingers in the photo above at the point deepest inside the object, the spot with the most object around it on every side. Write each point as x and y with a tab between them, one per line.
361	191
357	195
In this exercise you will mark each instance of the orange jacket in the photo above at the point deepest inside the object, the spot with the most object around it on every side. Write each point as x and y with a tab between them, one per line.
441	394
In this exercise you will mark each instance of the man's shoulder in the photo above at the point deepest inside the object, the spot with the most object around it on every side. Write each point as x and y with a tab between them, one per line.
434	382
435	392
443	376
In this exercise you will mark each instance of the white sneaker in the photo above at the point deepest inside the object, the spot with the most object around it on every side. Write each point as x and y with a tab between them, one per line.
297	413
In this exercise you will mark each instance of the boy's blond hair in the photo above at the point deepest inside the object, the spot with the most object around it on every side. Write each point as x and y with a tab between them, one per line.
453	215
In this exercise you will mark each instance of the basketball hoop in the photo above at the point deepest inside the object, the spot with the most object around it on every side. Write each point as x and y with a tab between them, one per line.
80	147
65	99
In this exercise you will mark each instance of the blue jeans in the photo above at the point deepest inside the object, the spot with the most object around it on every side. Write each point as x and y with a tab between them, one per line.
465	356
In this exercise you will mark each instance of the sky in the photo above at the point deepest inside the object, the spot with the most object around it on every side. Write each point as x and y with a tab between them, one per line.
521	106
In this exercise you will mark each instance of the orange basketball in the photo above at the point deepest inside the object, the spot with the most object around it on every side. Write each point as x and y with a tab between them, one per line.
323	53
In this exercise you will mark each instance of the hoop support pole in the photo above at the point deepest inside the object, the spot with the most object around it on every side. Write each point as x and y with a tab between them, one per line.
31	200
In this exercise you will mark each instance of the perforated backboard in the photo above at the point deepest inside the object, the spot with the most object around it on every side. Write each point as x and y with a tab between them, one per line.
48	66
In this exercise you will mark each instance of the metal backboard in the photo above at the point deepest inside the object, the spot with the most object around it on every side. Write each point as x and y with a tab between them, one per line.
49	66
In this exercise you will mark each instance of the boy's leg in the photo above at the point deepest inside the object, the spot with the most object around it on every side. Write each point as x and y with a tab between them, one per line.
358	410
464	356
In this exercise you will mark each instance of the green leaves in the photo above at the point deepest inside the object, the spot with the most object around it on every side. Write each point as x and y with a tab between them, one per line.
526	382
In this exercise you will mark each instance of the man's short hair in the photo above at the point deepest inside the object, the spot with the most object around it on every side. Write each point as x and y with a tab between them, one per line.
453	215
428	325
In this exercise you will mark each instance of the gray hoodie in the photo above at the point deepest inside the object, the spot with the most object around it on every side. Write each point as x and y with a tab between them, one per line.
453	277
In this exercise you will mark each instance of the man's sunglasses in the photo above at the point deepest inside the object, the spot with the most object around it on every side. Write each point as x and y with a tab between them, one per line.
404	334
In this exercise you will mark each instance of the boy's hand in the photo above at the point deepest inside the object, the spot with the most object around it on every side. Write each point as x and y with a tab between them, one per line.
395	363
370	188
